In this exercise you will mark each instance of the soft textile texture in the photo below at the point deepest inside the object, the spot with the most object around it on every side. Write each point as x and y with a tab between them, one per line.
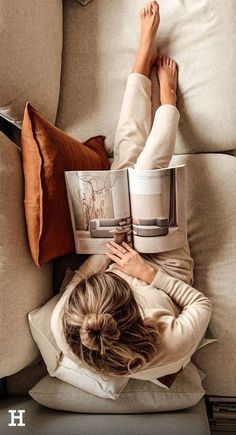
20	383
185	422
138	142
61	366
84	2
137	397
31	47
23	286
195	33
47	153
212	239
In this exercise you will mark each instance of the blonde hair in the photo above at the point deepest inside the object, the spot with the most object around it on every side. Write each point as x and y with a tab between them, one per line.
104	328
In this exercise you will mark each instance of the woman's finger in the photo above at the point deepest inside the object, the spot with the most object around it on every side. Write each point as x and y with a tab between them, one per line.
117	267
114	258
115	251
128	247
119	247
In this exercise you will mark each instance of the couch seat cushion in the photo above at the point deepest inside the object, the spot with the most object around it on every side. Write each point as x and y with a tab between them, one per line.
212	239
43	420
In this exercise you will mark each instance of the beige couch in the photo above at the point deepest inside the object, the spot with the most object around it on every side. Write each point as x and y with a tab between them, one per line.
71	62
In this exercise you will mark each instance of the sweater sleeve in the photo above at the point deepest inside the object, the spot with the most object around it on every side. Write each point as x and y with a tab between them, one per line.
196	307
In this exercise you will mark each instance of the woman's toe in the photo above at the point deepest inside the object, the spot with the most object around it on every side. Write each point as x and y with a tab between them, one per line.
142	13
155	5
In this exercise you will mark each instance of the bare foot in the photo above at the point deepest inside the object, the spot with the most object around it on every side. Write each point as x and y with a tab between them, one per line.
166	69
147	52
150	20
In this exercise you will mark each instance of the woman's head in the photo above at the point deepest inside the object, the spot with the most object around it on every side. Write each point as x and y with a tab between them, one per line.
104	328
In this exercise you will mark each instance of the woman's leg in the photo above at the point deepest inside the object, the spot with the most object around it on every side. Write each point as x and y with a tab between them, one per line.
135	118
160	143
157	153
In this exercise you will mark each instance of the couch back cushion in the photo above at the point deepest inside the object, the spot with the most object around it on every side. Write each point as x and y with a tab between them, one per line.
31	46
47	152
100	42
23	286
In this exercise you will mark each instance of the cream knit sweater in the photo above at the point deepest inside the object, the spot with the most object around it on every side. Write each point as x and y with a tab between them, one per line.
182	311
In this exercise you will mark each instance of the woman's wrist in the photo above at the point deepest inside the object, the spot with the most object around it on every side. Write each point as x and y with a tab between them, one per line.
148	274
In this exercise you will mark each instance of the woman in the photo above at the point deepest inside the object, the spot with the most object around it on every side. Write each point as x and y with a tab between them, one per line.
140	317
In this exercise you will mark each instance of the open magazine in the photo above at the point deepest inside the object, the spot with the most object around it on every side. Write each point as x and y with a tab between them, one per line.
145	208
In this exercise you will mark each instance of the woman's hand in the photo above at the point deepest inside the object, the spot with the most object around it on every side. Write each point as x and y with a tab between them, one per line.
129	261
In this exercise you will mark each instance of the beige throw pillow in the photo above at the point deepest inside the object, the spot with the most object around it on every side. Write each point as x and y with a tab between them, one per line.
137	397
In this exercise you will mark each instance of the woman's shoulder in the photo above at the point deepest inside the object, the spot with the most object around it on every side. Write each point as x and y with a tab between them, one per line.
154	302
171	356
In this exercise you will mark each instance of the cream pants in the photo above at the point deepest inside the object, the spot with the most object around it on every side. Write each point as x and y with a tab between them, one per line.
141	145
137	143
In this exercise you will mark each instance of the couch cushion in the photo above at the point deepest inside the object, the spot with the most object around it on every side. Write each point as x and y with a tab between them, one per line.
137	397
100	41
212	239
31	46
21	382
47	152
23	286
46	421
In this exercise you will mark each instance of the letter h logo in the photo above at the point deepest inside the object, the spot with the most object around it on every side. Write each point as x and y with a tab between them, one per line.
16	415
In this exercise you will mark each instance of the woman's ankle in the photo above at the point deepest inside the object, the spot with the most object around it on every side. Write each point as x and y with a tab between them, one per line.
141	70
168	96
142	64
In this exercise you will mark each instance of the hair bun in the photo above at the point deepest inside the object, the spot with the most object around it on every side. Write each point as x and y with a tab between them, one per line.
98	331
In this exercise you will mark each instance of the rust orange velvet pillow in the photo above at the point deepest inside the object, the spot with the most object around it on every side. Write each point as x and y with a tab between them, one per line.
46	153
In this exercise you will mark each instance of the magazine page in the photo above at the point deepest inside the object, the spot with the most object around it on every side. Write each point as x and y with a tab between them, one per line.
158	208
99	207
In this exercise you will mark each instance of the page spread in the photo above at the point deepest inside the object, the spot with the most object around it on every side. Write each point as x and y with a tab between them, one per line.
145	208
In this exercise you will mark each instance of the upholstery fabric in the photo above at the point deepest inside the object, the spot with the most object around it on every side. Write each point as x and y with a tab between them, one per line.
31	47
84	2
47	152
23	287
137	397
21	382
43	420
212	240
64	368
100	41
